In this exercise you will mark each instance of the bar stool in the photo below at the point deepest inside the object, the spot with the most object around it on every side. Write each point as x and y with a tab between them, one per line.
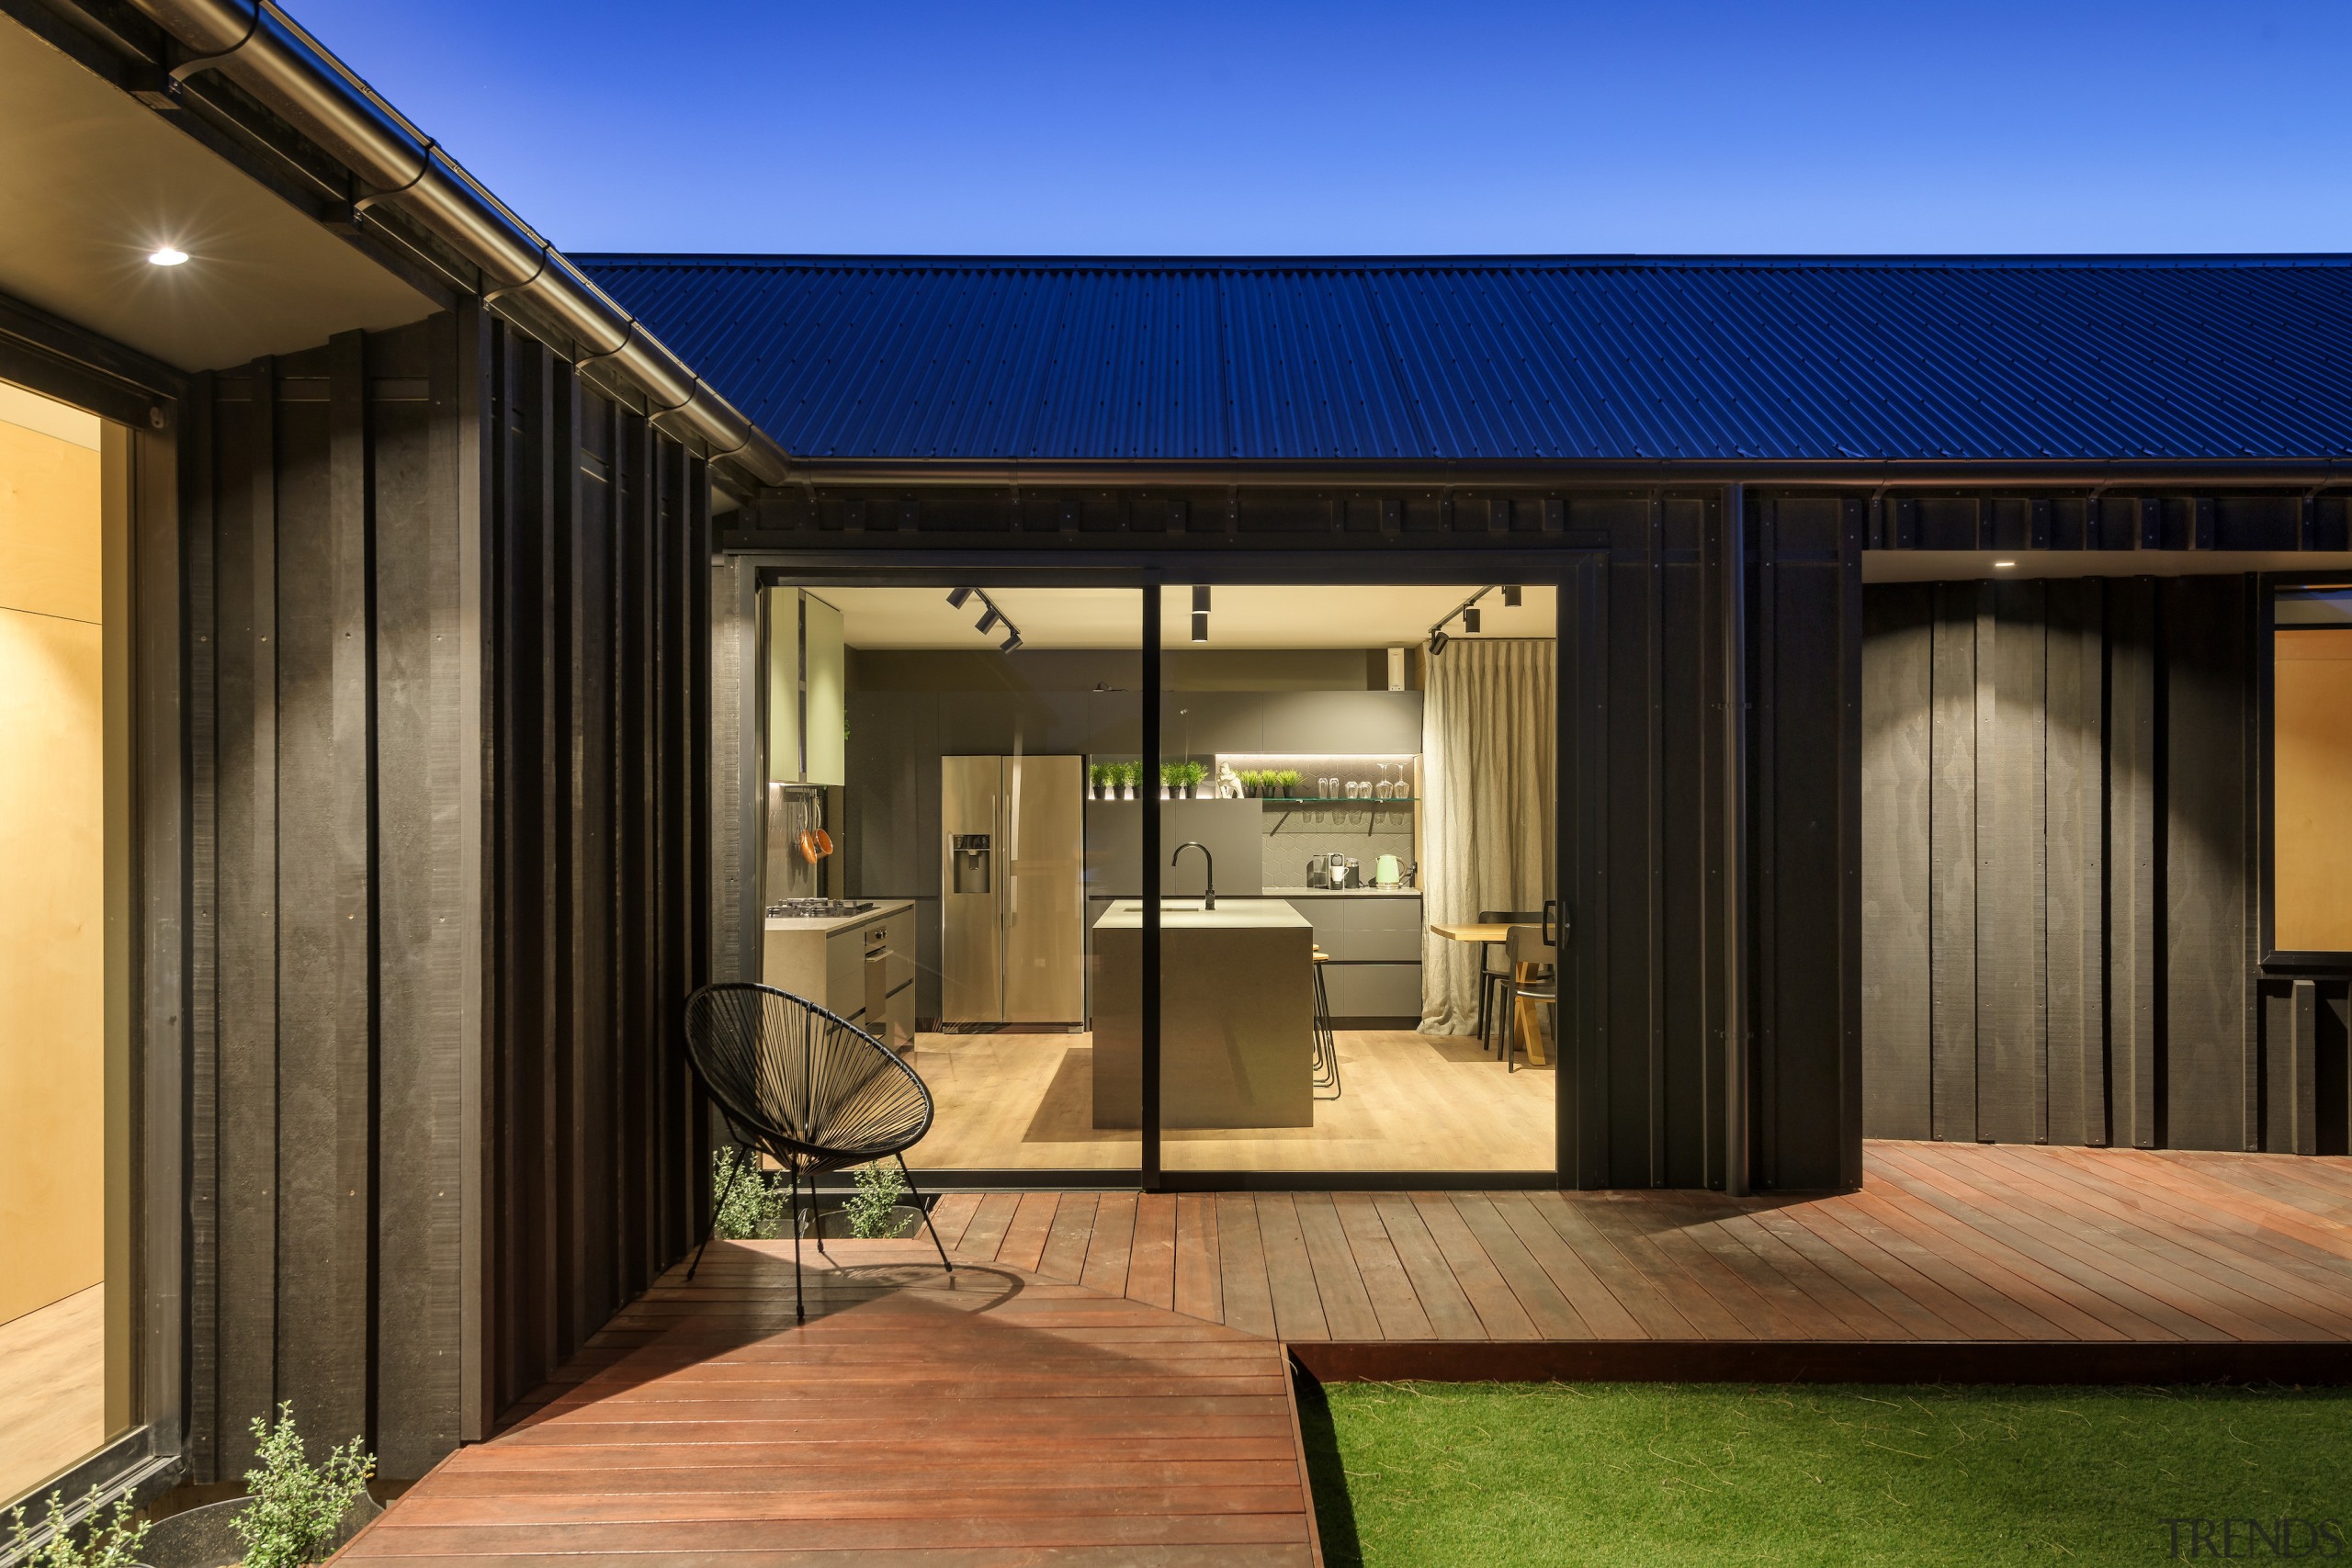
1327	1043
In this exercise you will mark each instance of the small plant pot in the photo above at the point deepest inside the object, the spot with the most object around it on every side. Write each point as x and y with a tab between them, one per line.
906	1220
205	1538
1127	792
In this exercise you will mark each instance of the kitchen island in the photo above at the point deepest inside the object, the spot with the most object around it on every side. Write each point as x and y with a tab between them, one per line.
1236	1041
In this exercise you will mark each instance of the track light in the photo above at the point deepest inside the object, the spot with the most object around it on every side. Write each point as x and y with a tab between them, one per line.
1200	599
1010	643
1437	639
955	597
1470	621
1510	598
1200	625
989	618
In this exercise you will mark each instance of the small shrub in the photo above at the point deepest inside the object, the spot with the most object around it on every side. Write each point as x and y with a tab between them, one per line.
113	1545
879	1187
297	1508
752	1209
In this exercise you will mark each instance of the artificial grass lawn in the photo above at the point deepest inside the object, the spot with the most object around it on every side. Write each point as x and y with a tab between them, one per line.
1447	1474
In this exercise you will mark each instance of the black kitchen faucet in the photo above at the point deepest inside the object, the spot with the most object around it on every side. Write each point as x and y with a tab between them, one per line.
1210	901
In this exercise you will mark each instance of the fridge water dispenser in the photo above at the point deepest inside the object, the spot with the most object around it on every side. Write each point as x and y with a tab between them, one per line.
970	854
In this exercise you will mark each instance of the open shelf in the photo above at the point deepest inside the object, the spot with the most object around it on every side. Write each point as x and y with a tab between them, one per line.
1332	800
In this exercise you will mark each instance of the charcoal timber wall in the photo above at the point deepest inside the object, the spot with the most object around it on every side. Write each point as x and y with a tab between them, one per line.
1650	742
442	700
2061	878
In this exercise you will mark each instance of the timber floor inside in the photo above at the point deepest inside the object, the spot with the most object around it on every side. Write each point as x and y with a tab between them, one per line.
1410	1102
52	1388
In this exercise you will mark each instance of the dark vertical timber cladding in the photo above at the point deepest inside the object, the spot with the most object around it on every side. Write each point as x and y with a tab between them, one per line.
247	858
1682	733
2073	906
2207	1046
2135	867
2012	1075
422	862
334	658
1899	670
199	528
1952	860
1628	800
1806	754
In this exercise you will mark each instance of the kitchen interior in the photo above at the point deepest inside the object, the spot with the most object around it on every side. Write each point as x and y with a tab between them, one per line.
953	860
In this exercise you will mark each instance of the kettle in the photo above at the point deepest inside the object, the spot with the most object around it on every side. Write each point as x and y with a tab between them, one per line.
1385	872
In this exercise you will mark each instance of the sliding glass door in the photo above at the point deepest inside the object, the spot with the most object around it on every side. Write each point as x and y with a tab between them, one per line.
1359	804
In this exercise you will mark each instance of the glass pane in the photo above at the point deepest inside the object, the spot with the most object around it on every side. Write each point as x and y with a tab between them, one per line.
2312	770
1348	791
61	1319
948	739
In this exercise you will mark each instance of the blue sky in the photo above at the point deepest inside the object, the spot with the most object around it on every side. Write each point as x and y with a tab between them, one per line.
1218	128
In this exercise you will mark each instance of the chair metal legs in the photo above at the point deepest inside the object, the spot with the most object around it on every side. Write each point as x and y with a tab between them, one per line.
924	1209
800	1303
710	1230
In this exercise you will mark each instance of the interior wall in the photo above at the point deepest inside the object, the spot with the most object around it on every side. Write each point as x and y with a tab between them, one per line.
442	711
2059	873
52	845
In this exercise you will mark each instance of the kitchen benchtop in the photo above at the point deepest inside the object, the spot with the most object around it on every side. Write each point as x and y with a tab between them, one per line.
1241	913
826	925
1343	892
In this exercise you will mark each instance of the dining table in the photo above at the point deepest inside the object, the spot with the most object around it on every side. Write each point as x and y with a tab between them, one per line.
1525	1023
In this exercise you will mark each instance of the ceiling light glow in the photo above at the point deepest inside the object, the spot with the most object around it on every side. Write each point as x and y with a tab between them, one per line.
166	256
2001	565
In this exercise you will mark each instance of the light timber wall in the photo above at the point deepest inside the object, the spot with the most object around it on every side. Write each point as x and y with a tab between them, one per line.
442	701
2061	879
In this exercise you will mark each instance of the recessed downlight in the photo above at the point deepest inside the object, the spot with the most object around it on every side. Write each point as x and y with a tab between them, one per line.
166	256
2003	565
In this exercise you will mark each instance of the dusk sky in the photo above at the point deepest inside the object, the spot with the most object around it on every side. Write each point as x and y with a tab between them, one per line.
1222	129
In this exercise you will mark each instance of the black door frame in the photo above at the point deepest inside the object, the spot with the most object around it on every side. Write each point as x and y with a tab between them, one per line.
1579	573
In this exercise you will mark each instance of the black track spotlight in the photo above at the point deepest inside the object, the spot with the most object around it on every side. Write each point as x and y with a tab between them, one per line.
1470	621
1200	599
1437	639
955	597
989	618
1010	643
1199	624
1510	598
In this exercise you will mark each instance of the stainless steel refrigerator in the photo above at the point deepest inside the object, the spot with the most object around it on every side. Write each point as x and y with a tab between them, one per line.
1013	942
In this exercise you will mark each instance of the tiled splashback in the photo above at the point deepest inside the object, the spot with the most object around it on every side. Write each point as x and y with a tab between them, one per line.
1366	832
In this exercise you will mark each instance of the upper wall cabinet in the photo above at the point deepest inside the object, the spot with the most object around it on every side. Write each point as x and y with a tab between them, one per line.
808	716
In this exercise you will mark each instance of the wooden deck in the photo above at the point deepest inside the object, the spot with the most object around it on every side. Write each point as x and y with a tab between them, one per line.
1104	1382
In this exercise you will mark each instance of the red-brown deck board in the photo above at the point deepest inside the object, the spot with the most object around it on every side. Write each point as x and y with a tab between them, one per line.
1104	1382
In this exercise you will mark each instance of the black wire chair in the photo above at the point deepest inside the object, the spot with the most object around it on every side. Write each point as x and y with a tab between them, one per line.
811	1090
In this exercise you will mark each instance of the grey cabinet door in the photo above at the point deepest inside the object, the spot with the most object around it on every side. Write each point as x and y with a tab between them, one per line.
1373	990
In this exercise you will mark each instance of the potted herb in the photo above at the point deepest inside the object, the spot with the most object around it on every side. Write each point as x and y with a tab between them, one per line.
1097	776
1130	775
296	1512
1287	783
1248	777
1192	774
1169	780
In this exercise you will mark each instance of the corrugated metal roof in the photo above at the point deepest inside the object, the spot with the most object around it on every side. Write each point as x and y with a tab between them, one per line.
1965	358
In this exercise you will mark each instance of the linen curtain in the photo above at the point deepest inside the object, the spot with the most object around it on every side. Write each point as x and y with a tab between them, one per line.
1489	785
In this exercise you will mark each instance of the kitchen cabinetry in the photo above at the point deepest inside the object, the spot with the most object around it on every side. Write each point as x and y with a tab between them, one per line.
806	689
860	967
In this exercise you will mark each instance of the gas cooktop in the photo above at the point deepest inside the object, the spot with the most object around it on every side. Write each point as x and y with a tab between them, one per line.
815	908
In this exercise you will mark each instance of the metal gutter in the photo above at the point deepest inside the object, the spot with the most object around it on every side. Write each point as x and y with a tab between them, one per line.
913	472
264	52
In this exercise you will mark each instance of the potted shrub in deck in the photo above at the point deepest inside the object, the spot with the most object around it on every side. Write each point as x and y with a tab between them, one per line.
296	1511
114	1543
